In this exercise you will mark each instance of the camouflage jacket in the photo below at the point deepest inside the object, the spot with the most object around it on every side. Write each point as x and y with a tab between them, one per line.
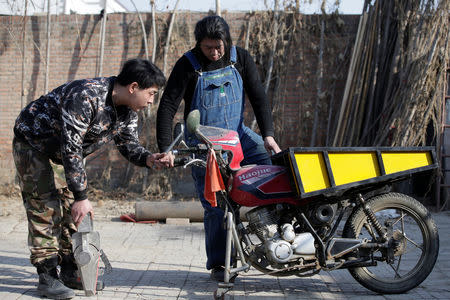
76	119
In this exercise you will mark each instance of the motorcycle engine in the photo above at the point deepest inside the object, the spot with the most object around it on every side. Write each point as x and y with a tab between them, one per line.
281	242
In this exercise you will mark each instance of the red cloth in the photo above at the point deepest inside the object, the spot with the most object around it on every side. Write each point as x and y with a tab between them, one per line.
132	218
213	179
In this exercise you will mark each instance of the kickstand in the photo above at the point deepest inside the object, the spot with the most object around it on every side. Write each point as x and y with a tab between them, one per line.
222	289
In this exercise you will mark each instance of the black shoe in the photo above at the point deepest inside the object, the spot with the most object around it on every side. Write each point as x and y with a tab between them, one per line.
52	288
218	274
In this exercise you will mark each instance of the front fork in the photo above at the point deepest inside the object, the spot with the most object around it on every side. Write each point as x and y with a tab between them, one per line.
230	272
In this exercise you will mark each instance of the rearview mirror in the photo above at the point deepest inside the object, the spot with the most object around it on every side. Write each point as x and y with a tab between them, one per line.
193	121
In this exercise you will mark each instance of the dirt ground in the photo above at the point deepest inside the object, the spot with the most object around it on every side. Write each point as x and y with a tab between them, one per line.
106	205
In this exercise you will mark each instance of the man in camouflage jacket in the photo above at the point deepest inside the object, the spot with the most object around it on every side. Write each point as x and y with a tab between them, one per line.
65	126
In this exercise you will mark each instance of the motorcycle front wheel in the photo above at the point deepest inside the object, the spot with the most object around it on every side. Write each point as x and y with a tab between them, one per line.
413	240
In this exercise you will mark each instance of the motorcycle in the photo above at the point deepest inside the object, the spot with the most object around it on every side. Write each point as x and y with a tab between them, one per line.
388	241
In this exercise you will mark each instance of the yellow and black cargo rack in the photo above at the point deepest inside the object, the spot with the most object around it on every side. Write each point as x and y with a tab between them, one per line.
333	171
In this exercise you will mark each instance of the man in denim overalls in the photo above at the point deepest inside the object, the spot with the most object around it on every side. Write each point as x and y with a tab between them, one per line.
212	78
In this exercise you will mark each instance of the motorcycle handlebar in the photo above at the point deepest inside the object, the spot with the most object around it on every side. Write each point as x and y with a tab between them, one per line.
180	161
188	155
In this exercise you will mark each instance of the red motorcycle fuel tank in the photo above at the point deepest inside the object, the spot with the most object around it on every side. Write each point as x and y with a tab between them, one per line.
258	185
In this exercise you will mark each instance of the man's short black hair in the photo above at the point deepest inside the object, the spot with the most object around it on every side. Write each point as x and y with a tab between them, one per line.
215	28
141	71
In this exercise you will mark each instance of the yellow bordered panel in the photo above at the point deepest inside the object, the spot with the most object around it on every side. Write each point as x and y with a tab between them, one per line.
312	170
402	161
348	167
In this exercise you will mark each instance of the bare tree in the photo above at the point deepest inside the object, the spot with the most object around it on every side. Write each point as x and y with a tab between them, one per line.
144	33
319	96
274	47
169	34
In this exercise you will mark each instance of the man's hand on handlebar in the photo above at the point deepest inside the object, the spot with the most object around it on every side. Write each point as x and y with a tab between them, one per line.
191	156
160	160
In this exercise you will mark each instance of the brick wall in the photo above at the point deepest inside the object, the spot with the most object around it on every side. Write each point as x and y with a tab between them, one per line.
74	54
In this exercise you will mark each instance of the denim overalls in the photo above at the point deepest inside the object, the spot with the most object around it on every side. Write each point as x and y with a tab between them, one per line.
219	96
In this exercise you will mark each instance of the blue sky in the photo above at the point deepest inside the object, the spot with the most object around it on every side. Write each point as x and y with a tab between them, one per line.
346	6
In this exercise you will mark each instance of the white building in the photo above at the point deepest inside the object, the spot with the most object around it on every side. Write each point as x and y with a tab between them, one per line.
39	7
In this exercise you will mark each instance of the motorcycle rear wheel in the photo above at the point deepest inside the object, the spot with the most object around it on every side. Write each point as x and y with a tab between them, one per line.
413	234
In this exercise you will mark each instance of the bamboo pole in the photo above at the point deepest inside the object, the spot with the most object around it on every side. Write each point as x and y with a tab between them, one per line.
365	82
152	3
341	121
169	34
48	49
383	75
365	138
22	98
102	38
218	10
247	35
354	91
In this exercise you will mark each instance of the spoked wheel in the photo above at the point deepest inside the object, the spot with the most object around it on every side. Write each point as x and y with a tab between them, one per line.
413	244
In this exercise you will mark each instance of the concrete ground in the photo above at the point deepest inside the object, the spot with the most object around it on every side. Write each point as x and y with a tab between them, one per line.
161	261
